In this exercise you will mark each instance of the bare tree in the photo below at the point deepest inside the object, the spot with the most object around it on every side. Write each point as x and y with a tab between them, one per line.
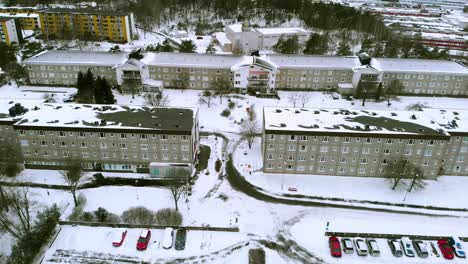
221	86
294	98
304	98
393	89
133	85
17	221
156	99
72	175
396	172
417	179
205	97
250	127
177	191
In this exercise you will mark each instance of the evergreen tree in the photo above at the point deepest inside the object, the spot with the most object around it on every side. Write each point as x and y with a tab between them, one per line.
7	54
187	46
344	49
210	49
108	95
287	46
98	91
85	85
317	44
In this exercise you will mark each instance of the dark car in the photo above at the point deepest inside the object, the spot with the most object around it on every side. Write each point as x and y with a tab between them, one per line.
335	247
421	248
348	246
395	247
445	249
181	237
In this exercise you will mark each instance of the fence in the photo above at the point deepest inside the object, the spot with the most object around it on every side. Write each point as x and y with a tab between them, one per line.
120	225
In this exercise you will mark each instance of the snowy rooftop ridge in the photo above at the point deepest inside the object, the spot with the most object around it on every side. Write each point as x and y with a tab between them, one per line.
191	60
280	30
418	65
108	117
311	61
78	57
365	122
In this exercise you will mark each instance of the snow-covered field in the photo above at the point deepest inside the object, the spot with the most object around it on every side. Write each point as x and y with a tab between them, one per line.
93	244
315	240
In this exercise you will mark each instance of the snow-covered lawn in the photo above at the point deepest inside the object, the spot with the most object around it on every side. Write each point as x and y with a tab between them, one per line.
75	243
447	191
309	233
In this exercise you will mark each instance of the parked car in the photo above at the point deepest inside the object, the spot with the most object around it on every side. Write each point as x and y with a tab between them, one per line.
457	245
395	247
361	248
445	249
119	239
143	240
373	247
168	238
434	250
181	237
421	248
335	248
348	247
408	248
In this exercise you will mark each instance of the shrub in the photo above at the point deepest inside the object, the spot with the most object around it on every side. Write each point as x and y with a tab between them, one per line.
88	217
112	218
231	104
251	91
218	164
138	215
101	214
223	197
168	217
226	113
77	213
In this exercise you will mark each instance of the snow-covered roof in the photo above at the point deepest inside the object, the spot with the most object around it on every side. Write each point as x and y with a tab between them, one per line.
235	27
172	59
78	57
304	61
281	31
222	38
6	104
418	65
19	15
108	117
341	121
453	121
86	11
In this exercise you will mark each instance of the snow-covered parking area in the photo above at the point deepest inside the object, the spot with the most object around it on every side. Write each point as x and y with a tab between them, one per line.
76	244
315	240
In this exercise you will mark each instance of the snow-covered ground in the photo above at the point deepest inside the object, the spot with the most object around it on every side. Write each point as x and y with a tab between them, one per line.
315	240
77	243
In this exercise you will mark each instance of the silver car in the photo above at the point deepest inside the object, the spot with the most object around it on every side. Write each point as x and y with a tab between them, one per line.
361	247
408	248
421	248
373	247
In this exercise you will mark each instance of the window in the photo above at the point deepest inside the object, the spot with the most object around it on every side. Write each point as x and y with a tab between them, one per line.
164	146
185	147
291	147
290	158
103	145
123	145
325	139
303	148
63	144
347	140
184	138
292	137
61	134
364	160
271	136
290	167
365	150
269	156
43	143
81	134
368	140
123	135
301	158
343	160
345	150
163	137
410	142
144	146
102	135
323	148
271	146
428	152
304	138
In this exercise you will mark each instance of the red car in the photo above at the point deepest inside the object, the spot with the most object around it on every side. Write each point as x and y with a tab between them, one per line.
143	240
335	247
445	248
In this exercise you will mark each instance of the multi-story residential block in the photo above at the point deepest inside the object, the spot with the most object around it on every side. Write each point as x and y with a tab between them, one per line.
246	39
109	137
88	24
10	30
62	67
28	16
264	74
362	143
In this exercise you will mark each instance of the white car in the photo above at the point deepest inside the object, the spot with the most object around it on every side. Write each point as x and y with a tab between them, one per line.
457	245
361	247
168	238
373	247
408	248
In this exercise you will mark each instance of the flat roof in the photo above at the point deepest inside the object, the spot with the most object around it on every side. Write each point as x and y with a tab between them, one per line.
453	121
418	65
280	31
108	117
19	15
86	11
78	57
173	59
305	61
344	121
6	104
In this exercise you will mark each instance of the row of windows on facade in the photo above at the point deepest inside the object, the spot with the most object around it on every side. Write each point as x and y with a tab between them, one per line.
366	150
202	70
324	169
72	68
106	155
104	145
105	135
302	158
430	142
424	77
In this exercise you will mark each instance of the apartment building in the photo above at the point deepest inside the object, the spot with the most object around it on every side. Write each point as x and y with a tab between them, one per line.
246	39
264	74
10	30
361	143
89	24
61	67
109	137
27	16
429	77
